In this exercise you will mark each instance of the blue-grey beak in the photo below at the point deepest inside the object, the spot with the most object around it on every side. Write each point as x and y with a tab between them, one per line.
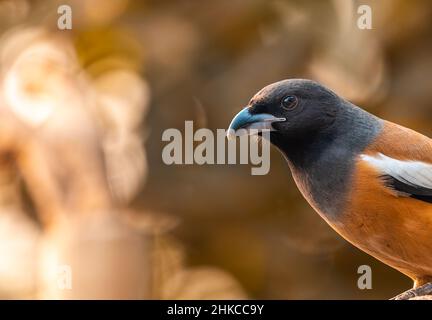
245	120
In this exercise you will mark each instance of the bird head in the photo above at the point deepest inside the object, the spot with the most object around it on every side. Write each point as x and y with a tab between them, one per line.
293	109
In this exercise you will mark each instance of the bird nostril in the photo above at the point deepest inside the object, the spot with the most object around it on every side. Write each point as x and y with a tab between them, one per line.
258	108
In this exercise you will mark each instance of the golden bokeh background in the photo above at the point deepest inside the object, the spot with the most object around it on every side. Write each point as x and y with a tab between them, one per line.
88	210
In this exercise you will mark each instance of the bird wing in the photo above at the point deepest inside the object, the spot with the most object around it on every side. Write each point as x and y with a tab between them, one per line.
408	177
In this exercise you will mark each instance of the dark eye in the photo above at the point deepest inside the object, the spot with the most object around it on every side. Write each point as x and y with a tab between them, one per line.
289	102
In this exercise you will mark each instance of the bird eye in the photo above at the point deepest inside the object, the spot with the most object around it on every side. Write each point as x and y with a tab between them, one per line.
289	102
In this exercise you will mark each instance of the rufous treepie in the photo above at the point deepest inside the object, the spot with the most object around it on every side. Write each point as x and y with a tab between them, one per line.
368	178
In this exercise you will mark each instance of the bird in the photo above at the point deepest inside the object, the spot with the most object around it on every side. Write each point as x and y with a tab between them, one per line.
368	178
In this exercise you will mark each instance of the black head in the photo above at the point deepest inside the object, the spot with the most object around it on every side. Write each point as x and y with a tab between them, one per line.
294	109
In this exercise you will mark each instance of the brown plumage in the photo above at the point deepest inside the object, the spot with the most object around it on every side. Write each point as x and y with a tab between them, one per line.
395	229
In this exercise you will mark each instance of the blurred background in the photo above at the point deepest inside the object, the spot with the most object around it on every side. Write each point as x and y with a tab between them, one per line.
87	207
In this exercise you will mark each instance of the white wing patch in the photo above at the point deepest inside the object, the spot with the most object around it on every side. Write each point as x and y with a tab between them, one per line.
414	173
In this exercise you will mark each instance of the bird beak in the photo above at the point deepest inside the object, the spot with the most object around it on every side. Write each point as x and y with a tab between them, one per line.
245	120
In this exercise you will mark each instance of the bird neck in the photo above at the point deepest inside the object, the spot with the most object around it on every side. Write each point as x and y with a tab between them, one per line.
322	163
